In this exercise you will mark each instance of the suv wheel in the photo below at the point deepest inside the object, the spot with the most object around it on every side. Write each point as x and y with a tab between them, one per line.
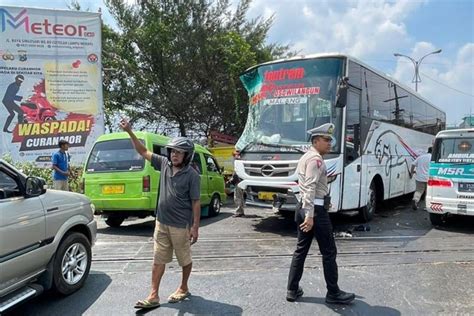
72	263
114	220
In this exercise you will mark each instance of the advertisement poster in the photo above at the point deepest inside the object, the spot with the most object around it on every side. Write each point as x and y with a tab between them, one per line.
50	83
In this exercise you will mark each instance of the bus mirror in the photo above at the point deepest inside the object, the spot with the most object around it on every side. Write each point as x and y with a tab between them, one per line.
341	94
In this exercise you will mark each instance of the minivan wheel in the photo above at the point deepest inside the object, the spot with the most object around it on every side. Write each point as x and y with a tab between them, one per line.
72	263
367	212
215	205
437	219
114	220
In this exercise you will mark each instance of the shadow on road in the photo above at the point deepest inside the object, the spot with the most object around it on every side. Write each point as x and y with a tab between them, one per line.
75	304
358	307
145	228
198	305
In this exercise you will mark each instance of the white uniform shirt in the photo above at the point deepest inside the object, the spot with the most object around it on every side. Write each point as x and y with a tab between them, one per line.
312	179
422	167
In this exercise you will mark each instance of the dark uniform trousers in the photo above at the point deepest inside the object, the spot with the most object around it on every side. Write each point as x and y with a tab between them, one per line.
322	230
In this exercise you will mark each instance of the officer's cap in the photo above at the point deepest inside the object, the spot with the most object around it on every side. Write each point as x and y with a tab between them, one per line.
325	130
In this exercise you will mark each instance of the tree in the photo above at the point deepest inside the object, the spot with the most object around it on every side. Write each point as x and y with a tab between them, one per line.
179	61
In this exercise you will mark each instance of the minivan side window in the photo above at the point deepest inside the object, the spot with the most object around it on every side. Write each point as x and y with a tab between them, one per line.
211	164
196	163
160	150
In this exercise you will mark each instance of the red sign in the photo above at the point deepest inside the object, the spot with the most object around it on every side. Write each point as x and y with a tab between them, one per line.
219	137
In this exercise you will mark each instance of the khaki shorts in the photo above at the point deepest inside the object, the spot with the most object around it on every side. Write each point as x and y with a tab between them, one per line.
60	185
169	238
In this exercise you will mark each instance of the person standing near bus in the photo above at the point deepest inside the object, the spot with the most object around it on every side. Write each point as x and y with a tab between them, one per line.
420	167
178	213
313	220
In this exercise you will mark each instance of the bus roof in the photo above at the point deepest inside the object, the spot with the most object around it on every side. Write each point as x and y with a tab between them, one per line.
455	132
341	55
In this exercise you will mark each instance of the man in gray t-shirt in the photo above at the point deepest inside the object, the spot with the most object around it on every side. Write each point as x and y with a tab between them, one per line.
178	213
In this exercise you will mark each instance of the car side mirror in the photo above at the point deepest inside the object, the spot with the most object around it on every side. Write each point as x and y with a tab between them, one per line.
341	93
34	187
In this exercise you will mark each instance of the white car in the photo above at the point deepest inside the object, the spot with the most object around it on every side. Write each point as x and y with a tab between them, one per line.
45	238
451	181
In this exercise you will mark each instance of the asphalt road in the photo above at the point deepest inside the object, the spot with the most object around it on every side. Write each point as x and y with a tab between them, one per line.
402	266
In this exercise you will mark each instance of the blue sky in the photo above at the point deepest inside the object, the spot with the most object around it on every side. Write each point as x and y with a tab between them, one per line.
372	31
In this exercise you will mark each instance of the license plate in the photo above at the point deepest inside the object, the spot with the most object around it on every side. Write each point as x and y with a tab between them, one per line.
462	209
466	187
113	189
266	195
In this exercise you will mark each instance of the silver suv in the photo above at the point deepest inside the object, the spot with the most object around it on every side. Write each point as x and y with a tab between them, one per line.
45	238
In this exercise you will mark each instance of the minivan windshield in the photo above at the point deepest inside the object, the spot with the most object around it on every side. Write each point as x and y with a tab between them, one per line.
114	155
454	150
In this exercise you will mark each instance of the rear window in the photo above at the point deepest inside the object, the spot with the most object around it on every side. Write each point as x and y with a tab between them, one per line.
454	150
114	155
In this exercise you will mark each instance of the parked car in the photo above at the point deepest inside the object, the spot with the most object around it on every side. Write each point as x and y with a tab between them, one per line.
45	238
122	184
451	182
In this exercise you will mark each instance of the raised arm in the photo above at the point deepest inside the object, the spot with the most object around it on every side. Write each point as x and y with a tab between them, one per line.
139	147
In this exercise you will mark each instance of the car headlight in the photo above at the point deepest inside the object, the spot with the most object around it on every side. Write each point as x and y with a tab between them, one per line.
93	208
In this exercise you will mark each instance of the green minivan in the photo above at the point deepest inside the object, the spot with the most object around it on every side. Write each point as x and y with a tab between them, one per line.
120	183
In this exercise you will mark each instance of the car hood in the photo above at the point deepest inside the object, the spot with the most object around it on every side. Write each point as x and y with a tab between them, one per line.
54	200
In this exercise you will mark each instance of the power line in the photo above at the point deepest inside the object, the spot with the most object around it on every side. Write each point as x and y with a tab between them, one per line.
445	85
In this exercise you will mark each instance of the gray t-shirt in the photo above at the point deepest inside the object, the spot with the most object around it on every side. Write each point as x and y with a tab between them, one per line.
176	193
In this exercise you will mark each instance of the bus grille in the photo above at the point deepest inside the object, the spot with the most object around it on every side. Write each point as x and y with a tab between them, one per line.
270	169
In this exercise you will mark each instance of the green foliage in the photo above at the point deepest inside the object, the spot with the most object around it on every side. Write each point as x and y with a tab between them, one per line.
30	169
179	62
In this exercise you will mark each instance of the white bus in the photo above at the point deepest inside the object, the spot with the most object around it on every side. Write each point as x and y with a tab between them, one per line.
381	127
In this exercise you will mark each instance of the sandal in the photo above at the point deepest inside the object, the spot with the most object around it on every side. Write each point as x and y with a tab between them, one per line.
147	304
178	297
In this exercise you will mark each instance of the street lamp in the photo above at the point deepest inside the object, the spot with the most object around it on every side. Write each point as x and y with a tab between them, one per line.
417	63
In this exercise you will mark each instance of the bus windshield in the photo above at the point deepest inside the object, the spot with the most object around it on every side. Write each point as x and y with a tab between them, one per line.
454	150
287	99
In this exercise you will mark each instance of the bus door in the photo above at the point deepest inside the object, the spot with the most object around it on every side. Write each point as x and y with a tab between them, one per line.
352	158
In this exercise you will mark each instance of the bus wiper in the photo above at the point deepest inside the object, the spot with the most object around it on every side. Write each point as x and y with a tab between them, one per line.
280	146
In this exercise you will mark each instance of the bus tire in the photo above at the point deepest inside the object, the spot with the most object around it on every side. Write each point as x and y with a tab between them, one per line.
367	212
437	219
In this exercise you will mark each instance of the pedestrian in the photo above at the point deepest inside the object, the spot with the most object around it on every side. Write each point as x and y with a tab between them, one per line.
313	220
61	169
177	216
420	167
239	198
9	101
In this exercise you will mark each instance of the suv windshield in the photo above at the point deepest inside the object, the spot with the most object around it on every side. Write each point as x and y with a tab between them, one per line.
454	150
287	99
114	155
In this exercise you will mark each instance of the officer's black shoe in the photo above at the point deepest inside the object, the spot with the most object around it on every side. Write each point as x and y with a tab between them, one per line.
340	298
292	296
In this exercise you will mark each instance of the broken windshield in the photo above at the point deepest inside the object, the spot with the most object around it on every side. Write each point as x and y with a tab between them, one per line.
286	100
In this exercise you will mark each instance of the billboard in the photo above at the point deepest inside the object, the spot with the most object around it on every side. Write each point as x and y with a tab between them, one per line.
50	82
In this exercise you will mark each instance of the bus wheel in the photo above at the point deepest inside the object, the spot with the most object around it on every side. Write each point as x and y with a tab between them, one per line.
367	212
437	219
115	220
215	205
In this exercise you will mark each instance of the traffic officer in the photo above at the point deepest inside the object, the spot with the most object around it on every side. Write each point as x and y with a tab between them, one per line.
313	220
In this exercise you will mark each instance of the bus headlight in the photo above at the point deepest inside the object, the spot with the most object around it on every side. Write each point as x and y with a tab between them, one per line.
332	178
